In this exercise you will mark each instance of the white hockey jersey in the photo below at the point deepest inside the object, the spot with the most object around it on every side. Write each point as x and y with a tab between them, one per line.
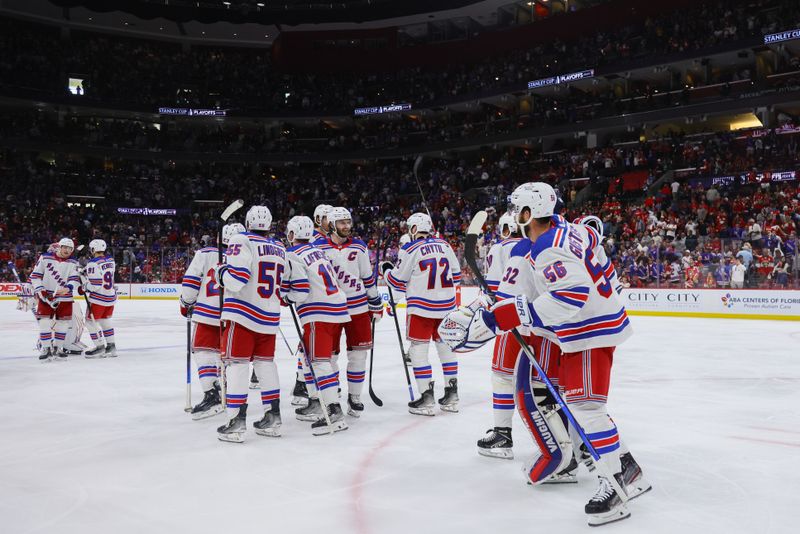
100	274
574	298
427	271
598	256
252	282
354	272
52	273
497	261
311	283
517	279
199	287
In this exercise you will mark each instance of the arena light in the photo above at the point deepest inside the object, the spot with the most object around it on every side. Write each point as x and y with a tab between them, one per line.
748	120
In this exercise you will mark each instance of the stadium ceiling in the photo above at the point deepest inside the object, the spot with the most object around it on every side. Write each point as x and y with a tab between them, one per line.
297	12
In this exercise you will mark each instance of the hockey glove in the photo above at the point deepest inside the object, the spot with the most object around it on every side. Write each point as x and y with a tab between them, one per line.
42	295
186	308
376	308
219	272
385	266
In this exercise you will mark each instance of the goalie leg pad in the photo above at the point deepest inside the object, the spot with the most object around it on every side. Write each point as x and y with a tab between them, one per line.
544	422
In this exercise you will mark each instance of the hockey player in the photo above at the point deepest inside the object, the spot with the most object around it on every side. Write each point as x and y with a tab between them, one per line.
356	278
54	279
427	272
200	297
577	303
498	442
310	284
251	316
321	223
300	392
99	286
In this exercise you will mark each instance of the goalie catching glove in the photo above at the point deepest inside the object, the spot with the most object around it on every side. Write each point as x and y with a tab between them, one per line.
467	329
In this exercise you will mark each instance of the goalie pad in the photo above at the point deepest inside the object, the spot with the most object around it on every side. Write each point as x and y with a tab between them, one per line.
543	419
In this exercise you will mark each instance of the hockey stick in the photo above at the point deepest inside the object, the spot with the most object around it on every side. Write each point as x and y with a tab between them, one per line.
307	359
230	210
188	407
417	163
378	402
470	242
400	340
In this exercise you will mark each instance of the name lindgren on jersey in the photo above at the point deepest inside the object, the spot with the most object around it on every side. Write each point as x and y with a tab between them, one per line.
52	274
575	299
354	273
252	282
199	287
311	283
427	271
100	273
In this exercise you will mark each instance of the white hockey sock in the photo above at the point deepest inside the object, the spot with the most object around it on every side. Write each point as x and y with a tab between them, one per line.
237	379
95	332
60	333
267	373
45	334
309	378
207	371
108	332
356	371
502	399
600	430
449	361
328	381
418	352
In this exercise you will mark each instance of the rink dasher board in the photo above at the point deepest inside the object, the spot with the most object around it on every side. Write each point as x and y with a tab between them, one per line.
766	304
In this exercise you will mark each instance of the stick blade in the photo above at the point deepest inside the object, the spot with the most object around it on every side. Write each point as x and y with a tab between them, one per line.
476	225
232	208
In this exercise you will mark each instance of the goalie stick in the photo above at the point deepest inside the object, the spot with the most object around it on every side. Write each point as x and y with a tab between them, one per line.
470	242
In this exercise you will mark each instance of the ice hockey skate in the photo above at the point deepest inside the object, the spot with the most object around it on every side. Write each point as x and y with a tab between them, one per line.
497	443
111	350
95	353
270	424
605	506
46	355
336	417
449	402
425	404
354	406
311	412
299	394
234	430
210	406
635	483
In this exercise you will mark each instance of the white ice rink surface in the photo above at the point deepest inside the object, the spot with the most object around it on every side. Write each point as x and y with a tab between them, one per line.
710	409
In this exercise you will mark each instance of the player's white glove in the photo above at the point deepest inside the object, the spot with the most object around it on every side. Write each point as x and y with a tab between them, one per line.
219	271
376	308
464	330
